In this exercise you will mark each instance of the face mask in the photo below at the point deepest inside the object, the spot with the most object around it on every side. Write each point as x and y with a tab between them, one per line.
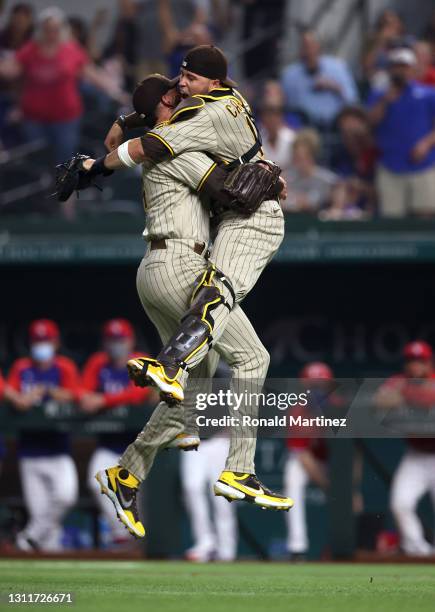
118	350
42	351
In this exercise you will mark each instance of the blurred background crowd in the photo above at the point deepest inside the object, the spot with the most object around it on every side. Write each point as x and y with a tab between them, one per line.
351	126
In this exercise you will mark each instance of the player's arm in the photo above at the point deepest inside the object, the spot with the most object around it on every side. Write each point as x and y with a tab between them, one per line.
21	401
130	395
128	155
315	470
389	395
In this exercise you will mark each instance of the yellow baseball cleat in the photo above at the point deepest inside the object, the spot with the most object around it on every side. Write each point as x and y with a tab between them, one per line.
234	486
185	442
144	372
121	487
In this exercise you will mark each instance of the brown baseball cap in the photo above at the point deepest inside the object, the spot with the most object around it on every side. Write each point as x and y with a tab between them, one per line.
149	92
210	62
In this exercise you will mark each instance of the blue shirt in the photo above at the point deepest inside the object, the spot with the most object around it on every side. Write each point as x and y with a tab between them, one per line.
321	106
112	380
405	122
41	443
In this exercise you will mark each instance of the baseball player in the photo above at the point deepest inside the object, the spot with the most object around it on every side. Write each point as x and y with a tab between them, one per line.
105	386
218	121
306	462
177	233
415	475
48	474
213	521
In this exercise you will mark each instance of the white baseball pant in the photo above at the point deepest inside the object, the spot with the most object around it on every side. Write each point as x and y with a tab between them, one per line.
414	477
50	489
198	473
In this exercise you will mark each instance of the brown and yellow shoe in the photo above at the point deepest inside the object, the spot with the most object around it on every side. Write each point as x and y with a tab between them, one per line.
234	486
144	372
121	487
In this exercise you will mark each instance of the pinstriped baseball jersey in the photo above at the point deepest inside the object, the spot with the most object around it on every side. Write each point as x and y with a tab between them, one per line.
221	125
171	200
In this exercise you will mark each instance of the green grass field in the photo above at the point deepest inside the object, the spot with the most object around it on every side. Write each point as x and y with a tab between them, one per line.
251	587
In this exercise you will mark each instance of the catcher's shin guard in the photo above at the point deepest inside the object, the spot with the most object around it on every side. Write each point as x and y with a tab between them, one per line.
196	328
170	370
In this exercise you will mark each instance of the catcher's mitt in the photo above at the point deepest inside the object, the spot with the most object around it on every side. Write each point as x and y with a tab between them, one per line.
71	176
250	184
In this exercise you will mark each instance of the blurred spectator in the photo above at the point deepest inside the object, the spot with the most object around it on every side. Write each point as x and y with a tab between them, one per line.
87	35
309	185
120	58
389	28
429	32
183	25
18	29
262	28
277	137
48	474
273	95
415	475
51	65
348	202
403	118
307	456
16	32
150	41
357	153
424	69
318	85
354	162
106	385
214	538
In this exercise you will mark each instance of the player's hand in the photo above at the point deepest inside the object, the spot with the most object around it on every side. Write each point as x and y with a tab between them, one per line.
114	138
88	163
59	394
421	150
26	401
92	402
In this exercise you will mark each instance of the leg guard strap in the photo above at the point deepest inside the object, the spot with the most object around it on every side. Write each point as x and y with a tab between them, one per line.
197	324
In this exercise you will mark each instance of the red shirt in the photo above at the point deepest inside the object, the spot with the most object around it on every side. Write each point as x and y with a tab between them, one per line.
317	446
429	77
50	84
102	377
2	385
415	395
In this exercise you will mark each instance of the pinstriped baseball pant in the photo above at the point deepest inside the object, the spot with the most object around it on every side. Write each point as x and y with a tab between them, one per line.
164	282
242	249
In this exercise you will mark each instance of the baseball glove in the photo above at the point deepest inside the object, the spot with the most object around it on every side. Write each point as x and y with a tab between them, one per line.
250	184
71	176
